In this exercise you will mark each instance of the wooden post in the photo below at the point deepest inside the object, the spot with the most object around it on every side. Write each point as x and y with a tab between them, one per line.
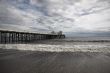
0	37
18	37
9	37
5	37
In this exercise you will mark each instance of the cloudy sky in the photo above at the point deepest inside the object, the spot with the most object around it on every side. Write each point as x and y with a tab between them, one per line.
70	16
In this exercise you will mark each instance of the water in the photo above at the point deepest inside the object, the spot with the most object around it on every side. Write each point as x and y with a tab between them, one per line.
76	44
88	38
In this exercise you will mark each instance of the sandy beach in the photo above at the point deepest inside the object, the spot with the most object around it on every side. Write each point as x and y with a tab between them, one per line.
14	61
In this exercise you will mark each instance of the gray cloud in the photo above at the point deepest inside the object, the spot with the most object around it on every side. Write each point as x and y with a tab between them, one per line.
48	15
9	16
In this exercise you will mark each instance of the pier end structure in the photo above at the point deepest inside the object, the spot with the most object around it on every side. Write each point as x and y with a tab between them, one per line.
26	37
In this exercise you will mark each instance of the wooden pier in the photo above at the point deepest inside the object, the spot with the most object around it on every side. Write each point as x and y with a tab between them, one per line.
25	37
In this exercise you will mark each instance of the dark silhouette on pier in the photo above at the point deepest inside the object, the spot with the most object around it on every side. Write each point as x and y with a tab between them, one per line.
26	37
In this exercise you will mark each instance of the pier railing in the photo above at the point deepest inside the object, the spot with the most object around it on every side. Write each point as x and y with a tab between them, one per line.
25	37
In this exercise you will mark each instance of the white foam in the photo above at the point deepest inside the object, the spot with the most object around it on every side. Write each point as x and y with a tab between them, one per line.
58	48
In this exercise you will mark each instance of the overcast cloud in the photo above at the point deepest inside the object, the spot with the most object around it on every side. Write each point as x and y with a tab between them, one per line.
47	15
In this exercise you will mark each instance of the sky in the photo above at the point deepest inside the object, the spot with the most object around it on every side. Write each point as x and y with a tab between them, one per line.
69	16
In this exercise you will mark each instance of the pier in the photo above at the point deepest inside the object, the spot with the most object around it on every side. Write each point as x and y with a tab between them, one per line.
25	37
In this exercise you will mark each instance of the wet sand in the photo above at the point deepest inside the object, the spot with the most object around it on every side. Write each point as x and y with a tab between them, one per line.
14	61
